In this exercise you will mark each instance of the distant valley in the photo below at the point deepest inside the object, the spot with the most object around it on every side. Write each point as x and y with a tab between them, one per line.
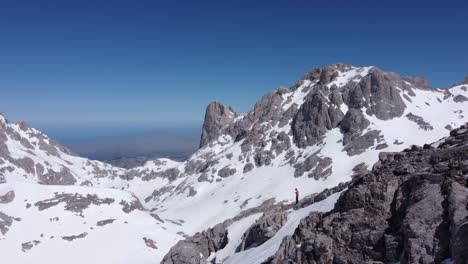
129	146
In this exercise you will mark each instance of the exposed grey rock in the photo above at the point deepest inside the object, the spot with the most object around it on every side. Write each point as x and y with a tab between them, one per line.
131	206
204	177
458	213
244	204
353	123
226	172
248	167
317	197
312	75
150	243
73	237
315	165
155	216
170	174
391	215
105	222
314	119
460	99
420	121
263	157
62	177
267	109
196	249
360	143
381	146
216	117
73	202
29	245
378	93
156	194
263	229
6	222
288	115
7	198
26	163
361	168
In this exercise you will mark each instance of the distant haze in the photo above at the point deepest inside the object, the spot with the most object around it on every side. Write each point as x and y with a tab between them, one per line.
109	142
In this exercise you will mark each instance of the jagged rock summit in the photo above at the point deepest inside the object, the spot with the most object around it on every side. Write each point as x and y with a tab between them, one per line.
330	125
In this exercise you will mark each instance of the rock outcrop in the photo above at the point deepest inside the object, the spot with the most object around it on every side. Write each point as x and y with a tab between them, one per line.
196	249
314	119
411	208
263	229
216	117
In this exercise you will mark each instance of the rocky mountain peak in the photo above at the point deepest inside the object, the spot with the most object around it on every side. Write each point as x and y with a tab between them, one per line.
217	116
465	81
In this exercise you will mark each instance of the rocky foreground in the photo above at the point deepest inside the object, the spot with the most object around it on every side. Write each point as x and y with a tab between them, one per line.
411	208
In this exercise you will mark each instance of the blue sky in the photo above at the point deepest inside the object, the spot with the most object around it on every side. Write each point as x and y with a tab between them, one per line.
161	62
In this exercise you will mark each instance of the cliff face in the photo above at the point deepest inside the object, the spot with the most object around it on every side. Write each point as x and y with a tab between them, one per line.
216	117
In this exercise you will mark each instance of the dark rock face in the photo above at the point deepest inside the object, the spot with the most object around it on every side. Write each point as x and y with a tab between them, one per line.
73	237
196	249
317	167
226	172
263	229
460	99
29	245
353	122
411	208
216	117
6	222
314	119
170	174
62	177
105	222
7	198
420	121
376	92
360	143
248	167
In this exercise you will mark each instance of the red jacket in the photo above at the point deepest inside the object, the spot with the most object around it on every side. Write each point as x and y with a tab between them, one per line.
297	193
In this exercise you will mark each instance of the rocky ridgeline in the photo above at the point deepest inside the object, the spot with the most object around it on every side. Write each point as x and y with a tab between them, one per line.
411	208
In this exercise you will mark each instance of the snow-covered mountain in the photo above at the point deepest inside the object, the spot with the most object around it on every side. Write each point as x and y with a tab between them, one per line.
326	128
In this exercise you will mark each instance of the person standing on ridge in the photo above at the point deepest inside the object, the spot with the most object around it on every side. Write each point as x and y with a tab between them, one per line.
297	195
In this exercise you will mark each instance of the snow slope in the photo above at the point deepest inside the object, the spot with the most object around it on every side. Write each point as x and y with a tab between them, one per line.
45	228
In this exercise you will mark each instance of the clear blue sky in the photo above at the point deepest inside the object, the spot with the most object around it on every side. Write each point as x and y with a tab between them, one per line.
122	61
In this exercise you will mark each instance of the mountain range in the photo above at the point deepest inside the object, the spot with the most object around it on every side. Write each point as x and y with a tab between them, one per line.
345	136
